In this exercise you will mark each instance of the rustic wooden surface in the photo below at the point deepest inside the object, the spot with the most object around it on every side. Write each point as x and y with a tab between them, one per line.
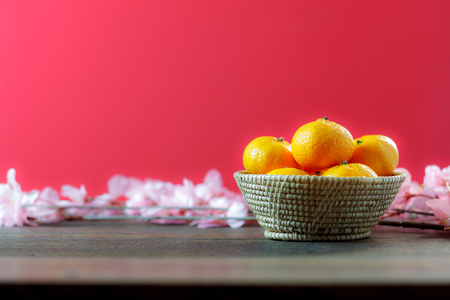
119	255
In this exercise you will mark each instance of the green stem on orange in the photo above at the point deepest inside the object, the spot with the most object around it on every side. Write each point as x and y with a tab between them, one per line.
280	139
358	142
344	162
325	118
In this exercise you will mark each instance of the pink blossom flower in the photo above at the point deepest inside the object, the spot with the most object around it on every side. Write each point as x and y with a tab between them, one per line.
11	200
237	209
446	173
411	196
438	181
47	197
117	186
418	202
208	193
441	210
211	187
146	194
77	197
442	193
135	194
433	194
402	196
424	190
154	189
433	177
99	201
220	202
183	196
151	196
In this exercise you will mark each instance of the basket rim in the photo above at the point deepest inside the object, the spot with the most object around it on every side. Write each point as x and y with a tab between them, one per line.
397	176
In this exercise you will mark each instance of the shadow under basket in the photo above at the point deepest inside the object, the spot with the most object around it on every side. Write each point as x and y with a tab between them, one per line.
318	208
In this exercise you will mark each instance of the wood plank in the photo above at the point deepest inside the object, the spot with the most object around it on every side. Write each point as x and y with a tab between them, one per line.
312	271
116	239
124	253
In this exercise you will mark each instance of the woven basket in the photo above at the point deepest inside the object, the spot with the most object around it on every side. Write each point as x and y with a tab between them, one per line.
318	208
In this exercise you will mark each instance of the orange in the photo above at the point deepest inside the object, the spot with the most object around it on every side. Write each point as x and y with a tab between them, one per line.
268	153
318	172
350	170
376	151
287	171
322	144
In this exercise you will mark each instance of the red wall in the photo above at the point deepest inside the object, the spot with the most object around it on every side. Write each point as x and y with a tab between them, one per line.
170	89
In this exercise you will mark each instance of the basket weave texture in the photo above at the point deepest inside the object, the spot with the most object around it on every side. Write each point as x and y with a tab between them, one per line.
318	208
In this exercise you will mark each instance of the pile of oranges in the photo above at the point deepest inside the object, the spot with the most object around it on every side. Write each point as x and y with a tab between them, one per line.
322	148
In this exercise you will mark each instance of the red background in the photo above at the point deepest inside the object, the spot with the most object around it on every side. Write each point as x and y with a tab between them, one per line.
170	89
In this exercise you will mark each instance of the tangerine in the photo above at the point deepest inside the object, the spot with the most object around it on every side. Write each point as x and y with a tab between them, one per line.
376	151
318	172
322	144
350	170
287	171
268	153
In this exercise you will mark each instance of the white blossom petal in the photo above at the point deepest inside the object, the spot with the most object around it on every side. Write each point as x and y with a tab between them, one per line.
78	196
117	186
237	209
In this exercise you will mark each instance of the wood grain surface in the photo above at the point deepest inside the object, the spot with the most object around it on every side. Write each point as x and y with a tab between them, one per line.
112	254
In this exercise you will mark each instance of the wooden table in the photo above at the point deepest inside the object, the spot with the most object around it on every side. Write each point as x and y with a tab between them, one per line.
85	260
